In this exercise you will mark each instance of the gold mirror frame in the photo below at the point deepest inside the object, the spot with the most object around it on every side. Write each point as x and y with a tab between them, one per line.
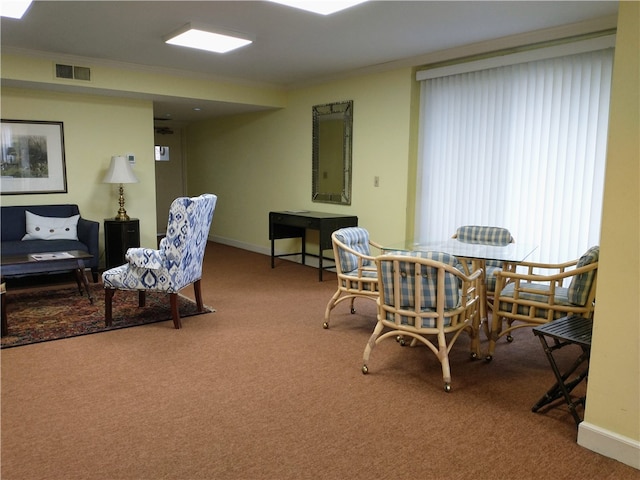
332	143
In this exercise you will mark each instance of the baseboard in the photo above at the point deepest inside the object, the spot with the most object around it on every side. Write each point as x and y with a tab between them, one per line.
609	444
242	245
310	259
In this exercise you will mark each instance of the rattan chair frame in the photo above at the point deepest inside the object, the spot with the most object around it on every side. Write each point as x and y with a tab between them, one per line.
352	286
547	277
464	318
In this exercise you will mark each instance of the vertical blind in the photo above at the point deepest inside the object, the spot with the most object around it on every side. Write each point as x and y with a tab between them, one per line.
520	146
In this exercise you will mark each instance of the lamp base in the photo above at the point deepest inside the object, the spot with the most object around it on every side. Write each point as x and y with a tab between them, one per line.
122	216
122	213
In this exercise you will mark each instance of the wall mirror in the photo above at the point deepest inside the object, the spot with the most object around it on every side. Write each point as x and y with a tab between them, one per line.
332	132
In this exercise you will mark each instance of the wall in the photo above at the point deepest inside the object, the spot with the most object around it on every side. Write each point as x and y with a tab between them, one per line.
170	183
261	162
612	418
95	128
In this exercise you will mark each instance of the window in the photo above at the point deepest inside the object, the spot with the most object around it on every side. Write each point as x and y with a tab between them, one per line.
520	146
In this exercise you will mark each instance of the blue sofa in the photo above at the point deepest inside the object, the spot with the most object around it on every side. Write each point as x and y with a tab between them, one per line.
14	227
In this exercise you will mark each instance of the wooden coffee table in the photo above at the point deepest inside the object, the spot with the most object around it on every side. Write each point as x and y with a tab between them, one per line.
49	262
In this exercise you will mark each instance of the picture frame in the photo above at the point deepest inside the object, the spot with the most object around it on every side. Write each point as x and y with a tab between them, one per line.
32	157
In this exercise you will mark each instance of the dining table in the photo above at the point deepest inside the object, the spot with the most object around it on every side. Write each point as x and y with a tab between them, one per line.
475	253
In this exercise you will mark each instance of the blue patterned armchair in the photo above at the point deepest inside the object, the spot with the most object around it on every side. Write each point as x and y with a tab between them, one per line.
175	265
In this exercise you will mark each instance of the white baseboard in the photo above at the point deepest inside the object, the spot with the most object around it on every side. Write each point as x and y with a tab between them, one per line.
609	444
311	261
242	245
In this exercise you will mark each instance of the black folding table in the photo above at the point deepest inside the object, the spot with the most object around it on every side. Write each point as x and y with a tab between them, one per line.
571	330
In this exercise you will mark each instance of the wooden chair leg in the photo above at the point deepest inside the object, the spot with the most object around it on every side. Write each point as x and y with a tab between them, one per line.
108	297
197	289
174	310
142	298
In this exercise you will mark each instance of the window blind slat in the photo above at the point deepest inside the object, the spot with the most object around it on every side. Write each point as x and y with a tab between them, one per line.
521	147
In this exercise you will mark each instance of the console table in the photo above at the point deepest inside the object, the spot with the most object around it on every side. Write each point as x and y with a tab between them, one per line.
293	224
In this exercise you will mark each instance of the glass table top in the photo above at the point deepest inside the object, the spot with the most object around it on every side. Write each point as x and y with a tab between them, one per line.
513	252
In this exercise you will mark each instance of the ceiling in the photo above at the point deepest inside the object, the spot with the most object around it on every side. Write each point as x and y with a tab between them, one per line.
292	47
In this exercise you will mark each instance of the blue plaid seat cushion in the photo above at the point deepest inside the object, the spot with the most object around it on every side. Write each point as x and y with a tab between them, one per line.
355	284
561	298
429	281
581	284
357	239
485	235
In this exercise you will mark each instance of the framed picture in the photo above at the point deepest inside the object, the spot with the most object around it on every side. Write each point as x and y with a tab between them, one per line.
32	157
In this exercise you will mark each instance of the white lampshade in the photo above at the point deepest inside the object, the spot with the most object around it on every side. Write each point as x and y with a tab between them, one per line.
120	171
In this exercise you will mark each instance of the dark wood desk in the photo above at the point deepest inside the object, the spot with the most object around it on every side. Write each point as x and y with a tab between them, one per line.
290	224
572	330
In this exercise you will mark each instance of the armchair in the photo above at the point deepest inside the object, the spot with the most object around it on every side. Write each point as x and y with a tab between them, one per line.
355	268
176	264
425	294
539	295
486	236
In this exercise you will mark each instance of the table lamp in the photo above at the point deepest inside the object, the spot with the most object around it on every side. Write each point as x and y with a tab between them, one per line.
120	172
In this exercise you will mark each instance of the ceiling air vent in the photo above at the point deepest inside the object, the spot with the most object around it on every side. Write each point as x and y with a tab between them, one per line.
73	72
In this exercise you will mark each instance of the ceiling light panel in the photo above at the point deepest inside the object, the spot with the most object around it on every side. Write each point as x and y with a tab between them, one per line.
212	40
323	7
14	8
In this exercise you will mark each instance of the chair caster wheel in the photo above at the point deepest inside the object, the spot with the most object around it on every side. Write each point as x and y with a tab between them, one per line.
365	369
488	358
325	325
447	387
353	310
400	340
474	356
509	338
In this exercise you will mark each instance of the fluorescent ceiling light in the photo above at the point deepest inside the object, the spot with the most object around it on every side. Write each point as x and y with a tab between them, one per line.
219	41
14	8
323	7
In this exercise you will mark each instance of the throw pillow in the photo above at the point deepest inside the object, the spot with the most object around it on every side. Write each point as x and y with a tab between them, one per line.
51	228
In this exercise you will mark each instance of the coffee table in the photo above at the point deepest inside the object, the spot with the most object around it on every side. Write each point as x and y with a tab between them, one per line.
48	262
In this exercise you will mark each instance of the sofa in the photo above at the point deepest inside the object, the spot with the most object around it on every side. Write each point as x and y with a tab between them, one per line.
49	228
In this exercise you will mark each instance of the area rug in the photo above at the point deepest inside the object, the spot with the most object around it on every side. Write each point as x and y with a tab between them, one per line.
53	314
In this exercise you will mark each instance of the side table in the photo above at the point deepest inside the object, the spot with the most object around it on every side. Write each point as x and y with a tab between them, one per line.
119	236
293	224
572	330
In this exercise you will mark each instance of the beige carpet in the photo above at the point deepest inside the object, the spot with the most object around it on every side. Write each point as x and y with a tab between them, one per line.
259	390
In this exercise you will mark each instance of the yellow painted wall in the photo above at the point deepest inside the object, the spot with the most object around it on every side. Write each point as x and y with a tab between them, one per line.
614	378
95	128
261	162
142	80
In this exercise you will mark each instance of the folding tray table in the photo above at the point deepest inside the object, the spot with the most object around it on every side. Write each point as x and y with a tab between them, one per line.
571	330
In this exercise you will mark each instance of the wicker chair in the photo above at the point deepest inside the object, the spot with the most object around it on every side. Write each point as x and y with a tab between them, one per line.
487	236
175	265
424	294
355	268
539	296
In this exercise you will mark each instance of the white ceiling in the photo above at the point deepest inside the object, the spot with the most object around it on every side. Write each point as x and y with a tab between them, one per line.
291	47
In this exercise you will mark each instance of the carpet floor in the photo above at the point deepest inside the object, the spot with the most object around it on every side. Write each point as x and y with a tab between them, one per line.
260	391
42	315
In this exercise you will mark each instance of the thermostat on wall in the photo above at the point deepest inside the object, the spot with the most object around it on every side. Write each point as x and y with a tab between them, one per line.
131	157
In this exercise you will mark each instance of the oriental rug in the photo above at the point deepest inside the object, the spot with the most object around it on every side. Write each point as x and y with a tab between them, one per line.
52	314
